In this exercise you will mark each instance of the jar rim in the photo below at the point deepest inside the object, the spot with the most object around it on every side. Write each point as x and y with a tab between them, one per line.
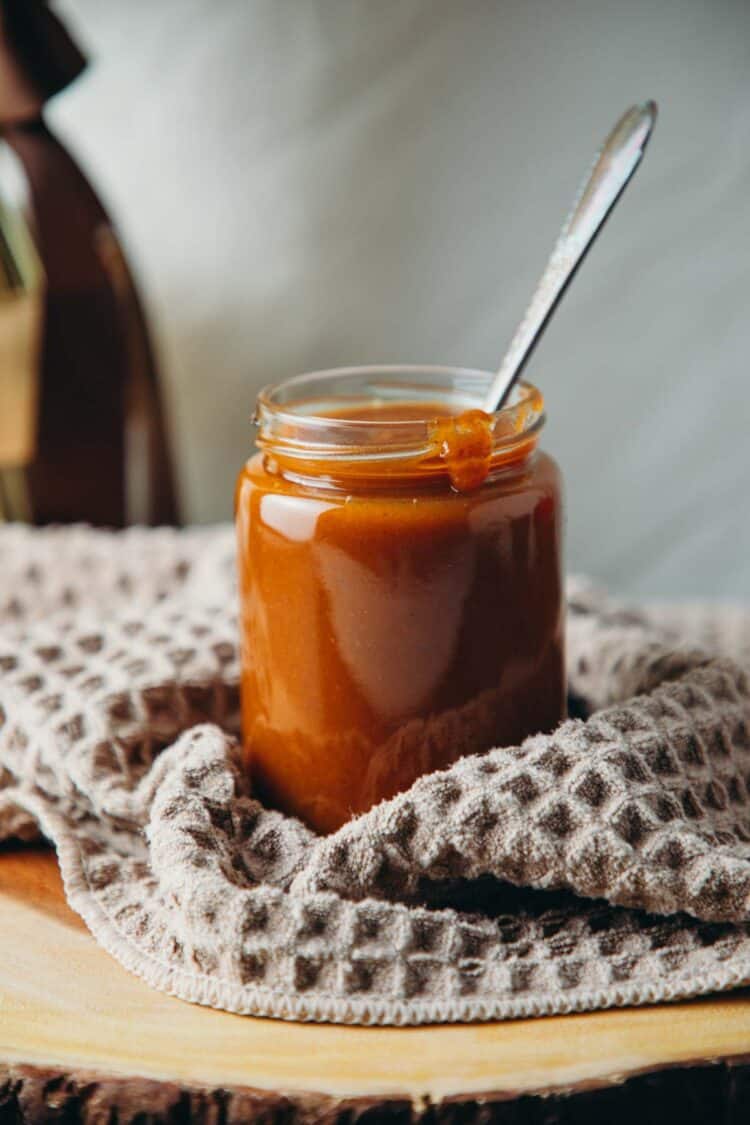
291	415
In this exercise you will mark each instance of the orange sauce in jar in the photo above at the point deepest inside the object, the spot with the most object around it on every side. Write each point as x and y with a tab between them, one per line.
400	589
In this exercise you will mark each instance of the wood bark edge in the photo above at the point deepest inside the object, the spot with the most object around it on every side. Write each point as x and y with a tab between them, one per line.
712	1090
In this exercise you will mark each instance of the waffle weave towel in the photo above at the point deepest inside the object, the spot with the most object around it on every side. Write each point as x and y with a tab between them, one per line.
607	863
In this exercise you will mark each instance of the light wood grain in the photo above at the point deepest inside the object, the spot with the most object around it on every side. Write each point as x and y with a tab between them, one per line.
65	1003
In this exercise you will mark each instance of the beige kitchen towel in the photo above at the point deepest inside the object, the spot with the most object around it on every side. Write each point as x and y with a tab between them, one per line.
607	863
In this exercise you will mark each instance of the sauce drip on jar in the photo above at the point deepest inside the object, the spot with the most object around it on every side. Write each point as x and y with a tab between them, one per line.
463	440
466	447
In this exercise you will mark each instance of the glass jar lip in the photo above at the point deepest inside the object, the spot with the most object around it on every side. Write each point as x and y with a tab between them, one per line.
309	431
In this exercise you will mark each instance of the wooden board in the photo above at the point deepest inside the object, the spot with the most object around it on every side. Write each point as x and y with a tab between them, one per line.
67	1009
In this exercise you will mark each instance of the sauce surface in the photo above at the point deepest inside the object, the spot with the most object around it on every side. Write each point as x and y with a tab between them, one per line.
388	631
383	411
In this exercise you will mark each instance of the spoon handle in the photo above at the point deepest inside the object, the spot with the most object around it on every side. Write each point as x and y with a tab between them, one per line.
619	157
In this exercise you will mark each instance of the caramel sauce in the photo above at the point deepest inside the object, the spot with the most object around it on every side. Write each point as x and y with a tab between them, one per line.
407	615
466	448
463	441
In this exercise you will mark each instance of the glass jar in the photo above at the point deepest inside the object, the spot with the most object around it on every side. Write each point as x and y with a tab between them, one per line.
400	584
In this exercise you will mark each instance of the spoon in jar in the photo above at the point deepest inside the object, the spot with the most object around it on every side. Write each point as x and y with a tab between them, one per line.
617	161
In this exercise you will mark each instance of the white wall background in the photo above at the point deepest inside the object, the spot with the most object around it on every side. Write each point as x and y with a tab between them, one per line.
307	183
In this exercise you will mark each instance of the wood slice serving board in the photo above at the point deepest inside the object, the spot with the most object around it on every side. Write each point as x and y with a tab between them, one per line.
82	1039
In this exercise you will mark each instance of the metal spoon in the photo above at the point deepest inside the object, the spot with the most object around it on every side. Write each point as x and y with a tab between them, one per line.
619	157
